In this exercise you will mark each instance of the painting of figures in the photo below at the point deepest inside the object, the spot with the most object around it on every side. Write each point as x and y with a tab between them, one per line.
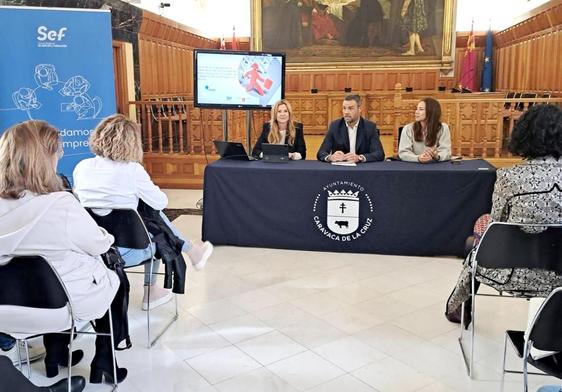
353	30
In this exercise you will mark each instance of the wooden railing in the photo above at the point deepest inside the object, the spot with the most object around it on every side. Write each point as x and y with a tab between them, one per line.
480	123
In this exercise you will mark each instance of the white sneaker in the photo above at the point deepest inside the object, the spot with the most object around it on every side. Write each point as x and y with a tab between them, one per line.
158	297
35	353
200	255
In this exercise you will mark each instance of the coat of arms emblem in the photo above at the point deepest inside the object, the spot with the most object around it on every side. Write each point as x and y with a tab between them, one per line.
343	211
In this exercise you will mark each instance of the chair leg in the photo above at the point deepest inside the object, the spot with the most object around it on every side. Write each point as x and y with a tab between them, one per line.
472	335
28	361
70	356
503	360
150	342
525	374
149	345
112	350
18	348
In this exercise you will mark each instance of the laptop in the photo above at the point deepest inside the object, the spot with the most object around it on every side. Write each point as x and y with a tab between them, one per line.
232	150
275	153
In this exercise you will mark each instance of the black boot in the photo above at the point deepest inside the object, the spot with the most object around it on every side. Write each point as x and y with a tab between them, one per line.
102	364
56	347
77	384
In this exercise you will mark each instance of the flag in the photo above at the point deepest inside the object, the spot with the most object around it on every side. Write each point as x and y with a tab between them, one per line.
468	70
223	44
487	71
234	42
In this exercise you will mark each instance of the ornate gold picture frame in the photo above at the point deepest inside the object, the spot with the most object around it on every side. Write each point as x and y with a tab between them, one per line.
328	34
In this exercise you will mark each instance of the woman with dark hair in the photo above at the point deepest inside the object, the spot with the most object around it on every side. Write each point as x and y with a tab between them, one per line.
282	129
521	195
427	139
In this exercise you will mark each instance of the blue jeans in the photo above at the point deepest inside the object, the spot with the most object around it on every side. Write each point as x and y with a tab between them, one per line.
134	257
550	388
6	342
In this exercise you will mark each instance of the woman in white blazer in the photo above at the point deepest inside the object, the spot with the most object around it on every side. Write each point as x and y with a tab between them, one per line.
38	218
115	178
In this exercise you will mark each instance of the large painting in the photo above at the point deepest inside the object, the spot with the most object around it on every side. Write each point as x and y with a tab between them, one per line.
360	31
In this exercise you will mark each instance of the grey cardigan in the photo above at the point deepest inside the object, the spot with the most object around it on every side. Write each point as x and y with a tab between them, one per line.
409	149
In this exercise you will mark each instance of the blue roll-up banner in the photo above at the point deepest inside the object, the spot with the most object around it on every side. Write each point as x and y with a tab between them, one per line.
57	65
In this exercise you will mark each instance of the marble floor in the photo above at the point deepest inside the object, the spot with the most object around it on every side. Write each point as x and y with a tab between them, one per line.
275	320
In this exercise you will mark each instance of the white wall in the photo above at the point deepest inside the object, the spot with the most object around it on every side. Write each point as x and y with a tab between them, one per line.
499	13
214	18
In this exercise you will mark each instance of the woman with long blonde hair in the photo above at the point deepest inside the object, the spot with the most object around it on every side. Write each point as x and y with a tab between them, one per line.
37	217
115	178
282	129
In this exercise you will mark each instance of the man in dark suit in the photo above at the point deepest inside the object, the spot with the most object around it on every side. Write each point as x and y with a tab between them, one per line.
351	138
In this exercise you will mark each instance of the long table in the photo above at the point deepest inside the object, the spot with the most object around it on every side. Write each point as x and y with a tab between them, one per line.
379	207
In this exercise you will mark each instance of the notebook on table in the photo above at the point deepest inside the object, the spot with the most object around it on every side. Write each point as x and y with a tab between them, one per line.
232	150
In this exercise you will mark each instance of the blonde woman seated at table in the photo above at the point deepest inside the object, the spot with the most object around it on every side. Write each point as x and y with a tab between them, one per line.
115	178
282	129
427	139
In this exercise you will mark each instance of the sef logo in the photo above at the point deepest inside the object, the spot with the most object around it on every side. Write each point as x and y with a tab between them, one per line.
51	35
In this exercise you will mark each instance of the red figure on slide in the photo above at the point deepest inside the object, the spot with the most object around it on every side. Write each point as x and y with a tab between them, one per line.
255	78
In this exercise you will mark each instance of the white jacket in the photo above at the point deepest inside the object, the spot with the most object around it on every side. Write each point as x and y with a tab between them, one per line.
58	228
101	182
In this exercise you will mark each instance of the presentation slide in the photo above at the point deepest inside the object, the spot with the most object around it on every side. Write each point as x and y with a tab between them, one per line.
233	79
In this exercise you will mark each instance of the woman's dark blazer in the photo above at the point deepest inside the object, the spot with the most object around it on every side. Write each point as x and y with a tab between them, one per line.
299	145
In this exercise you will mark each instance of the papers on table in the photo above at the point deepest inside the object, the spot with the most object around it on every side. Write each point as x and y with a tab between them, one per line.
344	163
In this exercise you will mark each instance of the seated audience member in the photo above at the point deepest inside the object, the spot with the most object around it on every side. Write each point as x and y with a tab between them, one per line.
537	138
14	381
550	388
9	348
115	178
38	218
351	138
282	129
427	139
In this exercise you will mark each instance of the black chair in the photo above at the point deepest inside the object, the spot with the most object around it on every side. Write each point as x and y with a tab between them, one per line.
129	231
544	334
31	282
512	245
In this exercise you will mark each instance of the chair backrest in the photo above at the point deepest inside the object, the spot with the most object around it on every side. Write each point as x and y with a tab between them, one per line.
508	95
512	245
521	105
547	324
125	225
30	281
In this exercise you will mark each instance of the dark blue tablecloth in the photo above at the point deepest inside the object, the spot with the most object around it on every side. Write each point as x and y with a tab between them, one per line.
380	207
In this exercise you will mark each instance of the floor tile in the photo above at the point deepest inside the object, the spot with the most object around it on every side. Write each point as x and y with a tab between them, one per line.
305	370
223	364
345	383
240	328
271	347
260	380
349	353
390	375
